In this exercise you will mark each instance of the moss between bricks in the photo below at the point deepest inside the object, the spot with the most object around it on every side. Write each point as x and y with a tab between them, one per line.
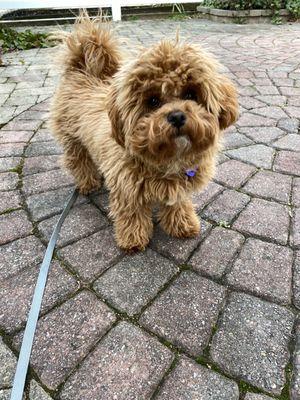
9	210
245	387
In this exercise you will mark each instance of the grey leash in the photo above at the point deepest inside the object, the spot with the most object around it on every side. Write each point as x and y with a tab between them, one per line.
26	347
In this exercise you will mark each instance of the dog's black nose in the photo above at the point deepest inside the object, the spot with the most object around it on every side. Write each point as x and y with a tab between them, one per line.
176	118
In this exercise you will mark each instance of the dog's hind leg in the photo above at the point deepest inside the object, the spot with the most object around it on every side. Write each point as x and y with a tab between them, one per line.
78	161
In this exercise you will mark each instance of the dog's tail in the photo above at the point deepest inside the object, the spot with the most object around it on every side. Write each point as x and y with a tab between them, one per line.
91	48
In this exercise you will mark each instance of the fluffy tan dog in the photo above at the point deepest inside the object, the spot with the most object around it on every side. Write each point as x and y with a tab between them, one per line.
151	126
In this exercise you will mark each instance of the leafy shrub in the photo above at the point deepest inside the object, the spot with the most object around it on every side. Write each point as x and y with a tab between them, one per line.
10	39
293	6
246	4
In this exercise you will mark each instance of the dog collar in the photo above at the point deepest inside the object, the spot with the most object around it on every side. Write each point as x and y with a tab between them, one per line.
190	173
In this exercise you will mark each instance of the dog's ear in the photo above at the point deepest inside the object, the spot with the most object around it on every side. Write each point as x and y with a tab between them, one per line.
229	112
115	119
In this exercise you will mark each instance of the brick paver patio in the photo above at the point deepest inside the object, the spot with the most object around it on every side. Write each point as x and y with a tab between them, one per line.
211	318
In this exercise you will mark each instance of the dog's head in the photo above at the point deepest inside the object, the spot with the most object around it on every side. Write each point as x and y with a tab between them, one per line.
170	104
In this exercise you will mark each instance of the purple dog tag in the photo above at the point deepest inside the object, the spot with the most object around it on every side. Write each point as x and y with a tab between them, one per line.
190	172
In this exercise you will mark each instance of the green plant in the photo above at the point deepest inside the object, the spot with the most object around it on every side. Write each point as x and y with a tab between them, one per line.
178	17
10	40
293	6
274	5
246	4
133	18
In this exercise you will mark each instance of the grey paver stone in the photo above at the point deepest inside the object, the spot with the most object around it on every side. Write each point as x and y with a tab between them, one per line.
134	281
45	181
10	200
90	256
270	112
264	135
193	381
222	158
8	364
11	149
22	125
249	119
258	154
234	173
226	206
247	91
290	125
13	226
81	221
200	200
186	312
296	192
216	252
15	100
266	219
102	201
36	392
287	162
267	90
235	139
65	336
7	163
16	294
5	394
43	148
273	100
264	269
251	342
20	254
35	115
250	102
6	113
126	354
296	280
270	185
291	141
295	236
255	396
15	137
177	249
8	180
35	165
42	135
7	87
295	385
294	111
47	204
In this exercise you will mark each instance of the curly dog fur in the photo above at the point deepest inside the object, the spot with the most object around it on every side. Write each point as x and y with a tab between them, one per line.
141	123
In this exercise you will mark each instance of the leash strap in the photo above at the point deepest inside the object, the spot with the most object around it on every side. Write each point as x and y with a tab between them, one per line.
26	347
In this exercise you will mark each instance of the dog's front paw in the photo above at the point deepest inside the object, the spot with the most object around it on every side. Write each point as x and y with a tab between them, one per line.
88	187
186	227
132	244
180	221
133	232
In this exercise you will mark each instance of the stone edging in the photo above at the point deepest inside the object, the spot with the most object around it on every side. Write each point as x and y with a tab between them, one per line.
253	16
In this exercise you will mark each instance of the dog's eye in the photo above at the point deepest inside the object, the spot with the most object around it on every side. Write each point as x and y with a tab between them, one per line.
190	95
153	101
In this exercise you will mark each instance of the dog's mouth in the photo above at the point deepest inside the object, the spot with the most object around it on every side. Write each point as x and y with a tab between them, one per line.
183	143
